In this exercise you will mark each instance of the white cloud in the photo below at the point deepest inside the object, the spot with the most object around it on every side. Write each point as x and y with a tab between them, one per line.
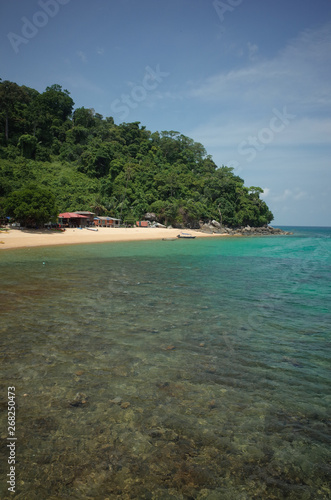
252	51
299	195
297	133
294	194
300	74
82	56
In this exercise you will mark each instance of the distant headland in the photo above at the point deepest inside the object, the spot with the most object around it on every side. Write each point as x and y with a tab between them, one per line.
57	158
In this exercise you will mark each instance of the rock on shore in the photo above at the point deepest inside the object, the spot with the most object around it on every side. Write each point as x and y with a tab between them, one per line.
215	227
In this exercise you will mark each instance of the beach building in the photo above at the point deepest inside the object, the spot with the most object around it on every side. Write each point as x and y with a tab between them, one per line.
106	222
89	215
142	223
73	219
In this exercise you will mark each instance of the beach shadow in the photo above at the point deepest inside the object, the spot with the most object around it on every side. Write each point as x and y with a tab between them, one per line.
35	230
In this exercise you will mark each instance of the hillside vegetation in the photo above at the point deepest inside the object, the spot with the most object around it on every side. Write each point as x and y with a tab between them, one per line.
79	160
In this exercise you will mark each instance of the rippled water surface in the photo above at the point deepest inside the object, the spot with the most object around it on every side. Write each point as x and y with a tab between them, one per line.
195	369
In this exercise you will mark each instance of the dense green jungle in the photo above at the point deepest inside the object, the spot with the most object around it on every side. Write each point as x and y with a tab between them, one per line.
55	157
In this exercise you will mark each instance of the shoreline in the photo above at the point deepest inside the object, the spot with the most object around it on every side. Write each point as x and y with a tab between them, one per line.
28	238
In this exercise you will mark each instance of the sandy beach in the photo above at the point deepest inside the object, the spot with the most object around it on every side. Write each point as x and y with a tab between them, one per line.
25	238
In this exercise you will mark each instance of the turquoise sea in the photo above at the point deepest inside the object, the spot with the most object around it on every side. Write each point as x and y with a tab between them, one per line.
189	369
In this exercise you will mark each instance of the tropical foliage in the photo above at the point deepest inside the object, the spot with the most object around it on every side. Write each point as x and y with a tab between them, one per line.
87	162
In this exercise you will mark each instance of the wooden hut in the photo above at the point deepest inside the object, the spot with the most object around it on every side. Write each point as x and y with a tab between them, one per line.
72	219
106	222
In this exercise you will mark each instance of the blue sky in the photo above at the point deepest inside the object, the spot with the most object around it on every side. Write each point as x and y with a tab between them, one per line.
249	79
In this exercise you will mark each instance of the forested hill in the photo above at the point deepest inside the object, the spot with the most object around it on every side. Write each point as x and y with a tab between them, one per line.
79	160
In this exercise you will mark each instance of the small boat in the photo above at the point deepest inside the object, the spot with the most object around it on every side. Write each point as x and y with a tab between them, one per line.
186	235
92	228
169	239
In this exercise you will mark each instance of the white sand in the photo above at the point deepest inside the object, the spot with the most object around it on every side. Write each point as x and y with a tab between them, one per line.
25	238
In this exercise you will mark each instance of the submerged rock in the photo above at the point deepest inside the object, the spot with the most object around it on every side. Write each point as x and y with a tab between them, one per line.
116	401
79	400
165	434
155	433
169	348
162	385
125	405
292	361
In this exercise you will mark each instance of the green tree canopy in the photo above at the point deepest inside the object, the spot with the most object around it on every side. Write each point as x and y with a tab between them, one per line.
32	206
28	144
121	170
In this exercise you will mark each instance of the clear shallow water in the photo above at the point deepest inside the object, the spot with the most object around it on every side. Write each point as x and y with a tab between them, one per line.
170	369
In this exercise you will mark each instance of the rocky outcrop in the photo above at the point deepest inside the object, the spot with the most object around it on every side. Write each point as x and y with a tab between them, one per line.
150	216
265	230
216	224
215	227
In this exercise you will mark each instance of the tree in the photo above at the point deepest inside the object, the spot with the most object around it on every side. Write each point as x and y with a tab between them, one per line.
32	206
12	97
57	102
86	159
28	145
84	117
